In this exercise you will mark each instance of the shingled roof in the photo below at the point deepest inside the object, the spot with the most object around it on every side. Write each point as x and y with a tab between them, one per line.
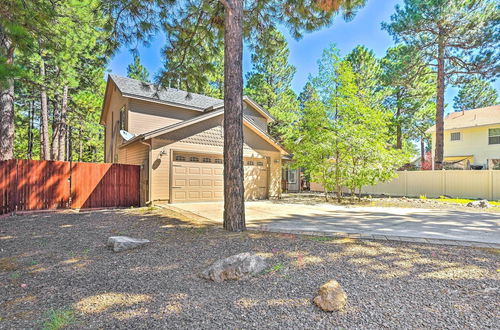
147	91
471	118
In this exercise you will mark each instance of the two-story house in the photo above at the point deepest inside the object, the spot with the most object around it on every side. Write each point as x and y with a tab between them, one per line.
177	138
471	138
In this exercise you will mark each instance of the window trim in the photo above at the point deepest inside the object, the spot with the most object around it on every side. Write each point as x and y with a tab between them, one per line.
180	158
459	134
192	159
206	160
122	122
494	136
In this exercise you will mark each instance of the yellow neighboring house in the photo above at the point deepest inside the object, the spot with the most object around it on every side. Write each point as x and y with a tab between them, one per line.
471	138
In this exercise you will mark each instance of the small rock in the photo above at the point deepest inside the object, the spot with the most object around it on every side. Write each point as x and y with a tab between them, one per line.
121	243
236	267
331	297
483	203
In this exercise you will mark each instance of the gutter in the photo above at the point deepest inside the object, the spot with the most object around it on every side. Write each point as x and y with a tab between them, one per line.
150	171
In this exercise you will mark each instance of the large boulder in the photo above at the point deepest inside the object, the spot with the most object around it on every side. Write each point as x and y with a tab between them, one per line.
331	297
483	203
236	267
121	243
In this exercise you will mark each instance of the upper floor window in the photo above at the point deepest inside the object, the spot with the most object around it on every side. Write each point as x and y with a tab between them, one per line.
494	136
122	118
457	136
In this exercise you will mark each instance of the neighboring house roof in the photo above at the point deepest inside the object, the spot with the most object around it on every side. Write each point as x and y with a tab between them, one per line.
471	118
140	90
167	129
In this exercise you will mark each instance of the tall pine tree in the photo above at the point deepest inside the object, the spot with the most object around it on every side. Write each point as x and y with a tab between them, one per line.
457	38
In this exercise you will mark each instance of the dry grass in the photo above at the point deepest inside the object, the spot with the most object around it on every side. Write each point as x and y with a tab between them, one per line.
8	264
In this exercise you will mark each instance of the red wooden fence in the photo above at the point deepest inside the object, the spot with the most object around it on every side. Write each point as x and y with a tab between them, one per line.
41	185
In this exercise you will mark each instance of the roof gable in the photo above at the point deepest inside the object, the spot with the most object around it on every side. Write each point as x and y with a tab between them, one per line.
150	92
246	121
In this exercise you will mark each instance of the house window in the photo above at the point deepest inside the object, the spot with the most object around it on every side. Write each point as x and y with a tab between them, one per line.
122	118
207	160
456	136
180	158
292	176
194	159
218	161
260	164
250	162
494	136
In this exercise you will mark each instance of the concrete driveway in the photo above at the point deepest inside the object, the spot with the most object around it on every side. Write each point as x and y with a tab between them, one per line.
379	222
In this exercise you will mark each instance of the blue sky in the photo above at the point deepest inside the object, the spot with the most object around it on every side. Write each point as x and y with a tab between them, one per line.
365	30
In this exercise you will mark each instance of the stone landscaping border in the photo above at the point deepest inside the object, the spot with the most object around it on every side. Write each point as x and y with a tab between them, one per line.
438	241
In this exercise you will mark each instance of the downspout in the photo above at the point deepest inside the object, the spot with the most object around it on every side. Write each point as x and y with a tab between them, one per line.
150	171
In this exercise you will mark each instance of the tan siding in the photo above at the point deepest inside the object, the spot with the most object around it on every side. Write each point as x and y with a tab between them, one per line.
134	154
147	116
113	138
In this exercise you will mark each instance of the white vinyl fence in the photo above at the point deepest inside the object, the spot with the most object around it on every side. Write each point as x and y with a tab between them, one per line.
462	184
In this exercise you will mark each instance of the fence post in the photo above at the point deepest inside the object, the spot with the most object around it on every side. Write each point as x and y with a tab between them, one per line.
490	185
16	187
406	183
443	181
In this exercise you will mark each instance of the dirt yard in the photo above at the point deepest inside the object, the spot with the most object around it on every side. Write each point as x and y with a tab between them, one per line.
56	271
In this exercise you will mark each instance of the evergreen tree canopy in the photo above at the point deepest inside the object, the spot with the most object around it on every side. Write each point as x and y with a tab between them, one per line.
137	71
409	87
367	70
271	74
475	93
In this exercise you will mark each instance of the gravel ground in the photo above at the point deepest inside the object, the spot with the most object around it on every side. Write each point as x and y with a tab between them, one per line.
405	202
59	262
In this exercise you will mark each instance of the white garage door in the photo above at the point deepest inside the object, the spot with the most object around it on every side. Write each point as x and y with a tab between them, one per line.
199	178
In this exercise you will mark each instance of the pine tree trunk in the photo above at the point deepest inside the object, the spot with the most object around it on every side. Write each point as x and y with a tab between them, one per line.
7	106
234	204
56	124
422	151
438	157
44	120
30	131
62	127
80	150
399	133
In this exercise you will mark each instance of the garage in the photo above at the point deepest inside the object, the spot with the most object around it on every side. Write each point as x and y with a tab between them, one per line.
200	178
